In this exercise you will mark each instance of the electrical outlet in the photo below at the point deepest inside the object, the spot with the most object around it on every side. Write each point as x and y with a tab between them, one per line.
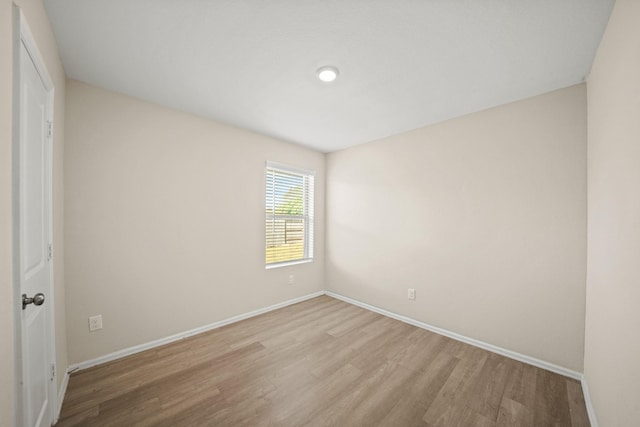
291	279
411	294
95	323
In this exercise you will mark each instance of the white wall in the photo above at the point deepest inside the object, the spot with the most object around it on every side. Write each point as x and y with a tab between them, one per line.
483	215
165	221
39	24
612	349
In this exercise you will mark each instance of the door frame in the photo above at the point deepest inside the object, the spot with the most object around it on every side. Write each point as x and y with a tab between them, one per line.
23	35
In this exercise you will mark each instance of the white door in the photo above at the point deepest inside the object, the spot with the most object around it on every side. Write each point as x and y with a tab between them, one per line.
34	226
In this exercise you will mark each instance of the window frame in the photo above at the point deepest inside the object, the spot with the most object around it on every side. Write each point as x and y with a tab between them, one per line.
308	216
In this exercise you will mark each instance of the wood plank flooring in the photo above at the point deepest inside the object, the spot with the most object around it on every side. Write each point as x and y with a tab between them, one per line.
321	362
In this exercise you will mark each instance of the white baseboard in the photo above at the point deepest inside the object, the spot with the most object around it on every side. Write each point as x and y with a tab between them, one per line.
477	343
60	398
471	341
162	341
588	403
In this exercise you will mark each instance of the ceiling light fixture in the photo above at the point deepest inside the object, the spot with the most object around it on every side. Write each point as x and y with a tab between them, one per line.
327	74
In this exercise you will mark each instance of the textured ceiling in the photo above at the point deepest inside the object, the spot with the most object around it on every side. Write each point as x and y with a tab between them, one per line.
403	64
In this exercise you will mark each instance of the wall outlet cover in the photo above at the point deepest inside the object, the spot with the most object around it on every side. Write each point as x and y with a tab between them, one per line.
95	323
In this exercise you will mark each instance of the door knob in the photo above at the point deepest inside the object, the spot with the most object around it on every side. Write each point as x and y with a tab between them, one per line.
38	299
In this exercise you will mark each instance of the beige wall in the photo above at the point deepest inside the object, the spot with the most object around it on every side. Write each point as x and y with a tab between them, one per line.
6	277
165	221
612	348
484	216
39	24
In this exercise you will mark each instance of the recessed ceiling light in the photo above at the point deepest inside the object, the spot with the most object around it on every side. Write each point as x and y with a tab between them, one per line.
327	74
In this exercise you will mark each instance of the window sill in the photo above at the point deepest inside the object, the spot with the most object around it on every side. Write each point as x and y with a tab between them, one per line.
288	263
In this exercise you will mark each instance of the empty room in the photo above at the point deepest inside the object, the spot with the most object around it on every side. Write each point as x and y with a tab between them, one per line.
319	212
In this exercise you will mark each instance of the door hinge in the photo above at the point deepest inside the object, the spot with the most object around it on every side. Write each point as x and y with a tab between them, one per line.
50	252
49	128
53	371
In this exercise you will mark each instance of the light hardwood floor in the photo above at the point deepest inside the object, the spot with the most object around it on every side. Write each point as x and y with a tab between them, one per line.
320	362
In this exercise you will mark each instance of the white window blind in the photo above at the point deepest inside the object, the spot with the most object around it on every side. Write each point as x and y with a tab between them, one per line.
288	214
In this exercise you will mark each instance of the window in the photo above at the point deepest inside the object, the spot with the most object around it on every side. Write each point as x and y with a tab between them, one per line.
288	215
